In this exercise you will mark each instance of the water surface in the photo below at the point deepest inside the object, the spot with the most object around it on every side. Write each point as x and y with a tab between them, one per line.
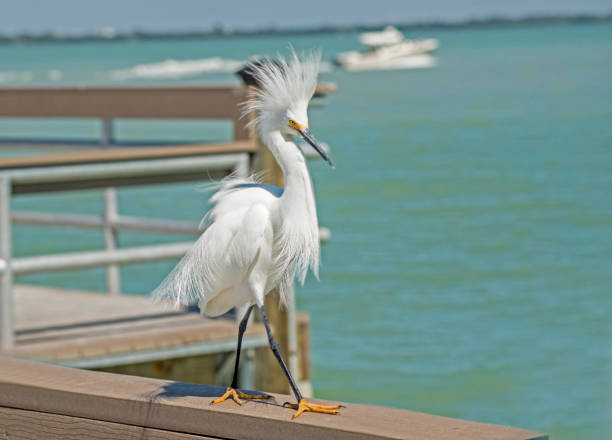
469	270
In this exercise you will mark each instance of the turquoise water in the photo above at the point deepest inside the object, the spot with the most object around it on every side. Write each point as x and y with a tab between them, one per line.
469	270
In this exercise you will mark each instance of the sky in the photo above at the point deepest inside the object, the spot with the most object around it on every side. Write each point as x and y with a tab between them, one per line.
81	16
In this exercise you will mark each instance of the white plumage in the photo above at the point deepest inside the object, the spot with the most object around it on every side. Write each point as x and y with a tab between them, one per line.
258	236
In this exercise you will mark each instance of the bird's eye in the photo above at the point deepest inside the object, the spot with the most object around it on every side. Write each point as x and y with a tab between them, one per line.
292	123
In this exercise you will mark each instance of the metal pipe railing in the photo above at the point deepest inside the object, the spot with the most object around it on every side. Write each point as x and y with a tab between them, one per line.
89	259
106	104
96	175
111	212
120	223
6	276
132	169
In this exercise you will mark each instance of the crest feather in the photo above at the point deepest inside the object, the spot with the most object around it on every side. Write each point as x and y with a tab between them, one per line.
281	83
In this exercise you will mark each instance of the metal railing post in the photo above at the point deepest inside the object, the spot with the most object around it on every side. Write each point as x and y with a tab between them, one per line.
111	214
6	275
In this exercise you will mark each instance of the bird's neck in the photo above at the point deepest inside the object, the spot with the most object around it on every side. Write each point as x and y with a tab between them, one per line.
298	193
297	242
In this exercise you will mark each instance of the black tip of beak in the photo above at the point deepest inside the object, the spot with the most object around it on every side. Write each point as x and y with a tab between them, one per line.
308	137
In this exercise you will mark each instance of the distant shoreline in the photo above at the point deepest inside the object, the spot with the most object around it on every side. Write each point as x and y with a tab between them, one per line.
110	35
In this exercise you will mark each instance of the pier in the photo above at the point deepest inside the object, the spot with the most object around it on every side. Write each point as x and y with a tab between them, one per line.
47	332
137	346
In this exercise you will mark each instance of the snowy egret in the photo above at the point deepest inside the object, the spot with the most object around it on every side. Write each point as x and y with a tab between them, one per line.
258	237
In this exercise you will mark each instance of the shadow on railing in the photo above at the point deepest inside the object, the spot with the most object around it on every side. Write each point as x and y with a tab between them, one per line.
39	399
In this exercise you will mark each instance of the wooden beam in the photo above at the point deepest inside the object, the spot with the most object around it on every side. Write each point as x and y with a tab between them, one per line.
122	102
125	154
303	332
185	408
18	424
109	102
149	179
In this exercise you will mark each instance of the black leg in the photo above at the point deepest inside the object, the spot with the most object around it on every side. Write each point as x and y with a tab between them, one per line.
241	328
276	350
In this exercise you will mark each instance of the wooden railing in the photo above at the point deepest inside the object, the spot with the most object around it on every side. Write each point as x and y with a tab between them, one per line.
39	401
108	169
108	103
113	167
51	402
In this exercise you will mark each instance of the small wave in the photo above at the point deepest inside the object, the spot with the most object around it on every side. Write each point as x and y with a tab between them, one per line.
177	69
16	76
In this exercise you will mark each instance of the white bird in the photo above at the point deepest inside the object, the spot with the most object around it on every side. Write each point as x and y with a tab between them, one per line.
259	237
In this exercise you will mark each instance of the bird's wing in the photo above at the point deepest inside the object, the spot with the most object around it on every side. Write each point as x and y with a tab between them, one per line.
223	256
235	194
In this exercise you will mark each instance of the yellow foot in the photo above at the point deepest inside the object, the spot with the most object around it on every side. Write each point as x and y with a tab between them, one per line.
304	406
235	394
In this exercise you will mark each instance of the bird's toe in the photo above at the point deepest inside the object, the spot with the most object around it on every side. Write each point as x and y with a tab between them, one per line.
229	393
304	406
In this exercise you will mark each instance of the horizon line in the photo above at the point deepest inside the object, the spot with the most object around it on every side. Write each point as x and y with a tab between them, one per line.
110	34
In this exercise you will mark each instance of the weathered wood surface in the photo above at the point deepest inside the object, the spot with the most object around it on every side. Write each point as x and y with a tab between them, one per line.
129	153
38	307
18	424
108	102
185	408
63	325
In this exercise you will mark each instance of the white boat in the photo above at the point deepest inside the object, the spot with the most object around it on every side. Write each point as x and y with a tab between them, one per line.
389	49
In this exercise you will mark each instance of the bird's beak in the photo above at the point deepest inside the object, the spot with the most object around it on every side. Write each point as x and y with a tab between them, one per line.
308	137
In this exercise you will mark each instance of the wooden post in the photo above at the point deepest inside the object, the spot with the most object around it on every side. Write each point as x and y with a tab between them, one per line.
113	280
6	276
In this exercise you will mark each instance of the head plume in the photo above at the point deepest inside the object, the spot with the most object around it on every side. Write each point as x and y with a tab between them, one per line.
281	84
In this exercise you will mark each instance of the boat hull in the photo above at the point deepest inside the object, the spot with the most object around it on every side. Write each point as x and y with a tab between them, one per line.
409	54
359	62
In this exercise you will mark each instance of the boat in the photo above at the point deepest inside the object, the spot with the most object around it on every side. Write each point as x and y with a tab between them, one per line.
388	49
